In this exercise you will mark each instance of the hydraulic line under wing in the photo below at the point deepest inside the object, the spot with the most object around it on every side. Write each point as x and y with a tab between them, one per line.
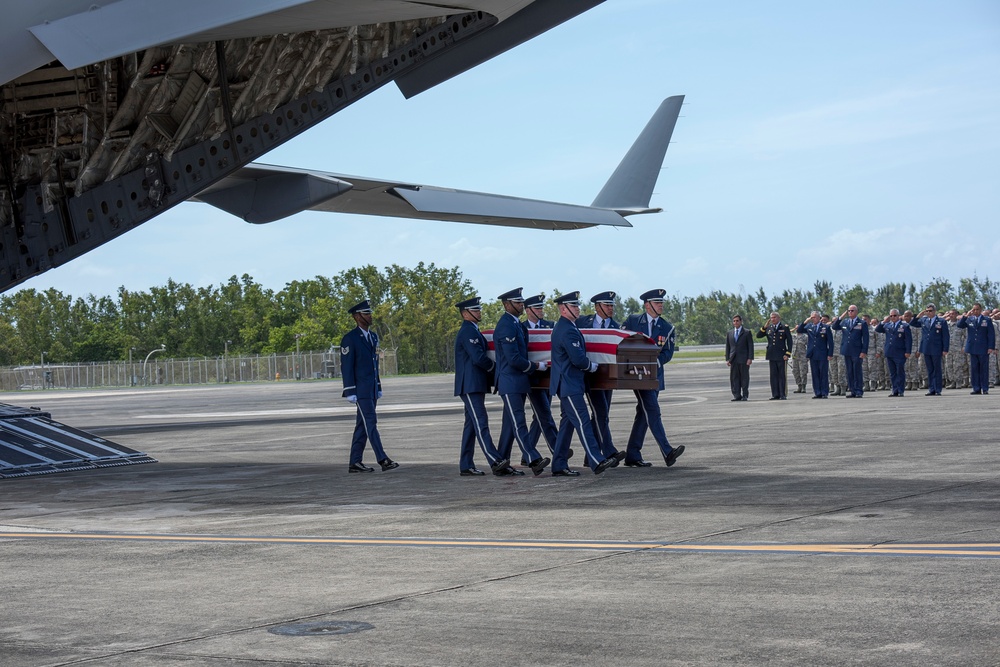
261	193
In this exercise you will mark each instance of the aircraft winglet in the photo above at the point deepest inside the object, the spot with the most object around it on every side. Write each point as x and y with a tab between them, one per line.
629	189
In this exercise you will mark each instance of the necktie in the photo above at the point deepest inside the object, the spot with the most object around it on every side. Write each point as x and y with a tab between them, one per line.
737	334
604	324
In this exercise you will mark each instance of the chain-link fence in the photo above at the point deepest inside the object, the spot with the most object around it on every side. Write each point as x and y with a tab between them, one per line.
193	370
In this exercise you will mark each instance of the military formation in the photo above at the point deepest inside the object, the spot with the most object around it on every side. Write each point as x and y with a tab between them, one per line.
854	353
584	409
844	356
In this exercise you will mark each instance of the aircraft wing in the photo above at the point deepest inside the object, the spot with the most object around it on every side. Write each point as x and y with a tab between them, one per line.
261	193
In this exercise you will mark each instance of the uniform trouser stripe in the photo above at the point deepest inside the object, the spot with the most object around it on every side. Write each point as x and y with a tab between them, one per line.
594	460
479	430
523	446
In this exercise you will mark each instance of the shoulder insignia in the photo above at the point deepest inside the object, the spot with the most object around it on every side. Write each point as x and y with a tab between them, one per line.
345	351
474	341
576	343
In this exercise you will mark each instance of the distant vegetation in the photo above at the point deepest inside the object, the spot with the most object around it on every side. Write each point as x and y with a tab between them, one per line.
414	313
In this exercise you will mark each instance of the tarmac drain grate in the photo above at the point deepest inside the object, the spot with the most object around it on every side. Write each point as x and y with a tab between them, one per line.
321	628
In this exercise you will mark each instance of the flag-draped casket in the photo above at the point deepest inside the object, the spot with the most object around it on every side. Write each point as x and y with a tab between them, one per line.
626	360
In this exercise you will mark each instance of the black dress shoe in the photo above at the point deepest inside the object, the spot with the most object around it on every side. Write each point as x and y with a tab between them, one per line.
569	455
744	399
774	398
930	393
500	465
388	464
472	472
565	473
360	467
975	393
638	464
538	467
736	399
819	396
618	457
609	462
672	457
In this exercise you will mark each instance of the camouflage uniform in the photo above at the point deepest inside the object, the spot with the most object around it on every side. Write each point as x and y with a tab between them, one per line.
913	364
995	359
960	360
838	370
876	361
800	365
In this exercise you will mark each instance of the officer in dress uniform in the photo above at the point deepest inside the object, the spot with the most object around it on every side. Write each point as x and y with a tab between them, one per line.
513	370
363	387
980	344
600	399
935	340
779	348
473	369
854	347
569	363
541	402
819	351
897	348
647	409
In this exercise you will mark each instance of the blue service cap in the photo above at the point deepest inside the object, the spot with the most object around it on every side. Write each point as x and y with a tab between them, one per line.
603	297
513	295
536	301
469	304
363	307
653	295
569	299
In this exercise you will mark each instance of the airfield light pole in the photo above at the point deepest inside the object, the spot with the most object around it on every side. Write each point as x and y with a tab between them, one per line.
298	359
43	370
131	370
162	348
225	356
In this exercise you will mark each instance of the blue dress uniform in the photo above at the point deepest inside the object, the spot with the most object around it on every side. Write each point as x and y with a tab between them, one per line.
513	369
852	346
600	399
818	351
934	343
980	341
647	409
569	363
779	348
472	380
540	399
898	344
363	387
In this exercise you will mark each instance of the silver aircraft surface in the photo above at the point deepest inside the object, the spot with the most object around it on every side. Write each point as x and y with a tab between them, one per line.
115	111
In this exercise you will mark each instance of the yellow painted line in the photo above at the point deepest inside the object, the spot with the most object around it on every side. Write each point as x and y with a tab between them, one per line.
991	550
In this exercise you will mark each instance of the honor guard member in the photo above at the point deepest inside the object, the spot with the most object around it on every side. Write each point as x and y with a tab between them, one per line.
819	351
569	363
897	347
363	387
854	347
647	409
473	369
779	349
542	422
513	370
600	399
980	344
935	340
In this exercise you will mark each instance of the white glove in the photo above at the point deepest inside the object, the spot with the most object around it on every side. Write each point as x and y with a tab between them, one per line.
593	366
353	398
541	365
378	395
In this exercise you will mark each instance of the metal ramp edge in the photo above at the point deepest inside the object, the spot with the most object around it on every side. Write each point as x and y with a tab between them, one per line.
32	443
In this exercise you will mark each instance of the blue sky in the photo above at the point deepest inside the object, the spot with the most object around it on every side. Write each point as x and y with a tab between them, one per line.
855	142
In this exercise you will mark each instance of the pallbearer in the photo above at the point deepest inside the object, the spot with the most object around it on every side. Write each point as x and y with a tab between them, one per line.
600	399
541	421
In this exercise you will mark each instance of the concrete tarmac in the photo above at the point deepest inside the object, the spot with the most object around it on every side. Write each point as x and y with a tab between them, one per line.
798	532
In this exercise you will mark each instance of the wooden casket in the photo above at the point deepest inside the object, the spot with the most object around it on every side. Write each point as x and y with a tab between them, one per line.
626	360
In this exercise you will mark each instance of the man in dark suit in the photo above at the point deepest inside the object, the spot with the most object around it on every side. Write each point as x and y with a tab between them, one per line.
473	369
739	356
779	349
510	343
647	410
363	387
569	363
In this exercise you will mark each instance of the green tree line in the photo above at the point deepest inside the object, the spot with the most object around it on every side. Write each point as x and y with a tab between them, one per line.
413	312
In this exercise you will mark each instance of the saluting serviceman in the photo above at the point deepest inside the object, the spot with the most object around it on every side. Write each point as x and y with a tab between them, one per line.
980	344
647	409
897	347
854	347
600	399
819	351
363	387
935	340
542	422
513	382
473	369
569	363
779	348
